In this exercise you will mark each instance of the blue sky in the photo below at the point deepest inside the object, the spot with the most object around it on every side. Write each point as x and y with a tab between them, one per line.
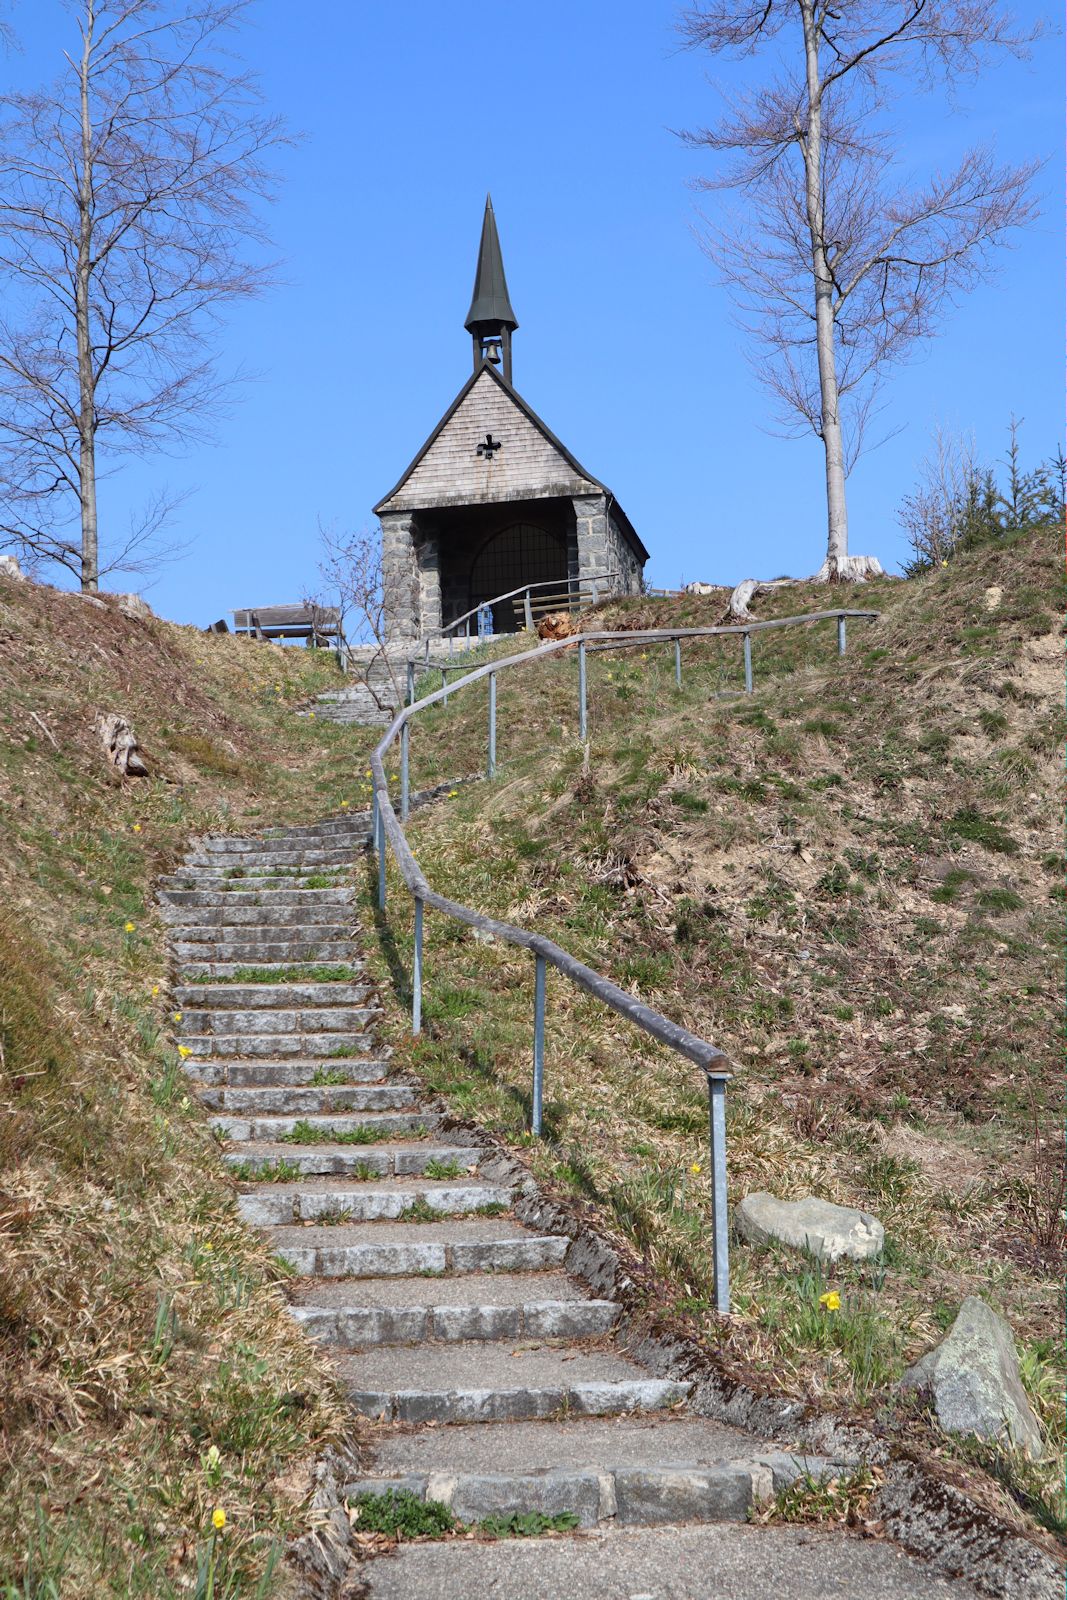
627	346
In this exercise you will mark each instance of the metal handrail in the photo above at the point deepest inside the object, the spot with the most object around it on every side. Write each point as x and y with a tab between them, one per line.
387	828
523	588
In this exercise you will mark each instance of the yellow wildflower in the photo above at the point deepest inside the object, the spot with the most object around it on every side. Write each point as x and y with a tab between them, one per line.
368	773
452	793
208	1245
831	1300
184	1051
344	805
131	927
218	1519
176	1016
155	990
310	714
696	1169
137	827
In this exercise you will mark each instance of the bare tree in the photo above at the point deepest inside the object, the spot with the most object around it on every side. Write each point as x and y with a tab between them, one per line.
128	195
351	568
838	267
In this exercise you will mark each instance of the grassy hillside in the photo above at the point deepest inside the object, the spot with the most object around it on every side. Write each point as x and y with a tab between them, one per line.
140	1331
852	883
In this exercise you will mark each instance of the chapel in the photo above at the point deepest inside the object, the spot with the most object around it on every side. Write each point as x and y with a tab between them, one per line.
493	500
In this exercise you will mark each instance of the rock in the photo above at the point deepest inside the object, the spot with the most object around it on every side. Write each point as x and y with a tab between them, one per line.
972	1377
557	625
133	607
827	1230
122	752
702	588
9	568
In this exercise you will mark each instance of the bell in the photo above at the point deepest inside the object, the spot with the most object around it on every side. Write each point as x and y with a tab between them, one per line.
492	351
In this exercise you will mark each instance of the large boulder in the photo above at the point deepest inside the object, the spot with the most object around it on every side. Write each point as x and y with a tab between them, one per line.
828	1231
972	1377
9	568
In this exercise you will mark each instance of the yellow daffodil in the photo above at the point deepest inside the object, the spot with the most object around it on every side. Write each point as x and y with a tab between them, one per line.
184	1051
310	714
452	793
218	1519
208	1245
696	1169
176	1016
214	1456
137	827
155	990
831	1300
344	805
368	773
131	927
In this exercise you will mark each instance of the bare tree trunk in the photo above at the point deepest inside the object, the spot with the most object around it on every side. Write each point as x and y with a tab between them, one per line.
90	563
830	399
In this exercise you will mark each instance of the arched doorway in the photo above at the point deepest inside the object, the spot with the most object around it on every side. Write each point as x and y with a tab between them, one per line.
522	553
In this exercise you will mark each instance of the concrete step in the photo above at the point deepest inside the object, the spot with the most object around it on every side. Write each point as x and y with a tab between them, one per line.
259	947
245	893
259	996
427	1314
326	917
268	1019
402	1249
487	1382
278	1204
712	1561
302	1102
352	822
197	970
396	1158
271	1130
278	1044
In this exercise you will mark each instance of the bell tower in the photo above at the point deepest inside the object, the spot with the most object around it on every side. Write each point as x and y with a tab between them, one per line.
490	320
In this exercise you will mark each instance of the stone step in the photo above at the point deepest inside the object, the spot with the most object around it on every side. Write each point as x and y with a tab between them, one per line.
197	970
349	1327
205	878
486	1382
620	1496
244	893
327	918
262	947
384	1249
270	1130
278	1044
396	1158
706	1561
307	1101
268	856
268	1019
353	822
297	1073
275	996
277	1204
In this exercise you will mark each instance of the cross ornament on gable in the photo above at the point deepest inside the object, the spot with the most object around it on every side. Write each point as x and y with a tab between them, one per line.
488	446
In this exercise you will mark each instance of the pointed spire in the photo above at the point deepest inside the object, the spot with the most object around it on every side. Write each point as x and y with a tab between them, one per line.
490	305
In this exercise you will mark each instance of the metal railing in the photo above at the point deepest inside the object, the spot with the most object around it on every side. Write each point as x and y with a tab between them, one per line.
569	590
387	831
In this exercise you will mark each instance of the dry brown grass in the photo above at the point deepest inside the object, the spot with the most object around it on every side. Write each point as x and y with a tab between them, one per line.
140	1322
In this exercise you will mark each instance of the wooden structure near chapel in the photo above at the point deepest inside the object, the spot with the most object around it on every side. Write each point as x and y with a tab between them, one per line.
493	500
319	626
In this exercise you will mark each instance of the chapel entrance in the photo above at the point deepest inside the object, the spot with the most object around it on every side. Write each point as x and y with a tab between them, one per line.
518	554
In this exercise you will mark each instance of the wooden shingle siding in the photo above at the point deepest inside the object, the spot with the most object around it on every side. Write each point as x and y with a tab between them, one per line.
527	466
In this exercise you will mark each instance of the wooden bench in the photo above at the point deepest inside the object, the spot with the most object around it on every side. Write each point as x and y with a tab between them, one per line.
319	625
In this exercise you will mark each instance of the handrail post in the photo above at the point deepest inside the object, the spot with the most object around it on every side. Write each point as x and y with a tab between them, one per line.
411	683
416	972
405	740
539	1047
528	608
444	684
720	1222
840	636
678	662
748	663
451	642
381	859
490	767
582	718
374	819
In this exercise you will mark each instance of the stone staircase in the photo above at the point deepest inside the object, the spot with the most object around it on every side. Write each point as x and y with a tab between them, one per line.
487	1368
